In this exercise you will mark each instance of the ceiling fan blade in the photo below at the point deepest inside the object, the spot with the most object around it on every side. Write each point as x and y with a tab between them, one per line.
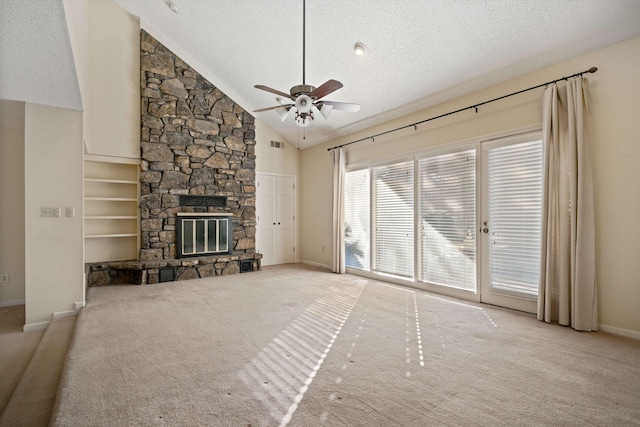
268	89
273	108
342	106
325	89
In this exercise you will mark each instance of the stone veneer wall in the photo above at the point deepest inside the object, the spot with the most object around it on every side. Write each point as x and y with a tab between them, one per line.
194	140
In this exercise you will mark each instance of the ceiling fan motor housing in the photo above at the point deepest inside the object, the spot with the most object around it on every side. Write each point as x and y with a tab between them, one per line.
301	89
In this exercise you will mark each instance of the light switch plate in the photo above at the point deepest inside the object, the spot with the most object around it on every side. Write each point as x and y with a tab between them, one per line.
70	212
50	212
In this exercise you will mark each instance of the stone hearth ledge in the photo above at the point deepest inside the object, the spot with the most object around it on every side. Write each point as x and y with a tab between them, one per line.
148	272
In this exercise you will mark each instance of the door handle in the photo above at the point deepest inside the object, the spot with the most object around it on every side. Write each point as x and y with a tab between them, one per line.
485	230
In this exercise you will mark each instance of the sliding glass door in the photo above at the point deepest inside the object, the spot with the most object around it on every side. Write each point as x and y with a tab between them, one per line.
466	221
392	218
511	221
447	219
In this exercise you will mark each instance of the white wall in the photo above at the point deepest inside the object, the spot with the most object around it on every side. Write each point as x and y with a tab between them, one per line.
12	201
114	81
278	161
53	178
615	136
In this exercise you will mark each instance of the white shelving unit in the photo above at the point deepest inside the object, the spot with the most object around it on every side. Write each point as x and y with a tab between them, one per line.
111	217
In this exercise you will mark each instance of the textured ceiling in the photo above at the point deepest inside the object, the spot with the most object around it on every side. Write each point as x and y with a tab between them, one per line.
36	62
420	52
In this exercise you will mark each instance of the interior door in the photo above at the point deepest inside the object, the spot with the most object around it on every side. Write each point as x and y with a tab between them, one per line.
275	214
510	225
266	194
284	248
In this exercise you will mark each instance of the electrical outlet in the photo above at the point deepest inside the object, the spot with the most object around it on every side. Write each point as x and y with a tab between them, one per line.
4	278
50	212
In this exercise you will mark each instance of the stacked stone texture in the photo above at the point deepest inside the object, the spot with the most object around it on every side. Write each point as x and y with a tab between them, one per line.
194	140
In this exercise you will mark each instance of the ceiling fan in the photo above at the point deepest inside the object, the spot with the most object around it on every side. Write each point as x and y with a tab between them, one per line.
305	99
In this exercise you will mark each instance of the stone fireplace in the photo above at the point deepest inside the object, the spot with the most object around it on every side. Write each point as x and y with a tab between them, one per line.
197	161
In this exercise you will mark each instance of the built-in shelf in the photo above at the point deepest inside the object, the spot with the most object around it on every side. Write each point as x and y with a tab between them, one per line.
111	192
112	199
101	236
110	181
110	217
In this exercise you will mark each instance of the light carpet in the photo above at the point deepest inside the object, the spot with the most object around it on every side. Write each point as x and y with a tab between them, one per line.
16	350
299	346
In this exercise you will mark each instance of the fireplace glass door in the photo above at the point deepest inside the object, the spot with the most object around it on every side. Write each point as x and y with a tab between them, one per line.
200	236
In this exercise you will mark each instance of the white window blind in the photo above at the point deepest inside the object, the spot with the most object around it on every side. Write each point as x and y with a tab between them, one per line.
392	204
447	222
515	198
357	217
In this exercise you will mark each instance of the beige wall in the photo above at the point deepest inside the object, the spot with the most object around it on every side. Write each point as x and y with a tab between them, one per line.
76	13
53	178
114	82
274	160
12	201
615	134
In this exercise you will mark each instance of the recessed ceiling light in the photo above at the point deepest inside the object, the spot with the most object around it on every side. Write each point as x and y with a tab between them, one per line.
360	49
172	7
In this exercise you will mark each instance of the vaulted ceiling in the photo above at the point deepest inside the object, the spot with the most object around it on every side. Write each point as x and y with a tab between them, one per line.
419	52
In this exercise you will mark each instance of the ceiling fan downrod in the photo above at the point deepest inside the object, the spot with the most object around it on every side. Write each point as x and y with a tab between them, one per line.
304	39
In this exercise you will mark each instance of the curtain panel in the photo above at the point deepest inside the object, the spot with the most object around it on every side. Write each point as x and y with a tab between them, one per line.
337	255
568	292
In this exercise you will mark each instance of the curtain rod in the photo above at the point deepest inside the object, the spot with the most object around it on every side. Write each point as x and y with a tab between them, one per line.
590	70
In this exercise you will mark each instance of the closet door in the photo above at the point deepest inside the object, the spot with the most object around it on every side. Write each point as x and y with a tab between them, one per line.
285	220
275	214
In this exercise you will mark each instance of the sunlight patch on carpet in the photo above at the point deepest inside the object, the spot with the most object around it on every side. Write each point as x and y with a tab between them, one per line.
282	372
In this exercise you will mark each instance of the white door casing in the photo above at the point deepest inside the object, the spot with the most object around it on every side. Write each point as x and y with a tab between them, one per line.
275	214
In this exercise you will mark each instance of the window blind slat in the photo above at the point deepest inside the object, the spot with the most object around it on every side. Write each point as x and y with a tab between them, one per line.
392	214
515	198
357	218
447	207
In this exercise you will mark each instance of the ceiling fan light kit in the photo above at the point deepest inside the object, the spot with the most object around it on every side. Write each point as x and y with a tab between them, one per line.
304	99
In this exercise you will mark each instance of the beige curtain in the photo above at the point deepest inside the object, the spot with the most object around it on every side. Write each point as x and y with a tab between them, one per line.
337	258
568	291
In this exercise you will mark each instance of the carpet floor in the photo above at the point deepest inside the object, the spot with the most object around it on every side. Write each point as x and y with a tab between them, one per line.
16	350
296	345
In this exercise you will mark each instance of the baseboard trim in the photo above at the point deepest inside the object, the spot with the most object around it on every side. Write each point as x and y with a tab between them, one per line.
620	331
60	314
11	303
315	264
35	326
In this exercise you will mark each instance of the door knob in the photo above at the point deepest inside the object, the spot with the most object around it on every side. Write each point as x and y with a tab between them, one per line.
485	230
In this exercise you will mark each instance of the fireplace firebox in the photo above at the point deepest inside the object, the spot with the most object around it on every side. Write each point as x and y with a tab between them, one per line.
202	234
